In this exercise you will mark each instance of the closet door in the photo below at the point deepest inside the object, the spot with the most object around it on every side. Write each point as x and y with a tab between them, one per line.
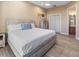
54	22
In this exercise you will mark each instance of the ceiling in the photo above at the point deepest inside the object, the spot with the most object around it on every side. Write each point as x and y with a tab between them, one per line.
52	3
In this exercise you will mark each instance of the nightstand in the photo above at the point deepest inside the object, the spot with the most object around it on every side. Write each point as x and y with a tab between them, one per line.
2	40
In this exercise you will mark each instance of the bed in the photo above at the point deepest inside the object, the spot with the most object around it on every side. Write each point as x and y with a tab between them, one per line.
33	42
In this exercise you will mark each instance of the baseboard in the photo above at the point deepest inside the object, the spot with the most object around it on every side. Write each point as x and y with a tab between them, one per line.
64	33
77	38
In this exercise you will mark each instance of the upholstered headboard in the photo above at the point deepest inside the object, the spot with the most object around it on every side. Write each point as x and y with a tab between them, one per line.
14	22
17	21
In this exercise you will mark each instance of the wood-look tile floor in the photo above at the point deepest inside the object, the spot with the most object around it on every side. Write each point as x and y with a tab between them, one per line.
65	47
6	52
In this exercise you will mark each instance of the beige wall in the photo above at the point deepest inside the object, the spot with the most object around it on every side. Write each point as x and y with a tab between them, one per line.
18	11
63	11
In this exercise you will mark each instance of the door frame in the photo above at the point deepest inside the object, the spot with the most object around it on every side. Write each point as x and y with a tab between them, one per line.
68	20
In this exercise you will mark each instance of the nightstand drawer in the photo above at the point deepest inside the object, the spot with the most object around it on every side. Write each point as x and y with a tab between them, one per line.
2	39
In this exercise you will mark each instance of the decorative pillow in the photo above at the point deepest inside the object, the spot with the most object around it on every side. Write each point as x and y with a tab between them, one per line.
26	26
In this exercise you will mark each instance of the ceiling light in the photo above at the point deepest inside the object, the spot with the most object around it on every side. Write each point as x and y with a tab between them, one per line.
47	4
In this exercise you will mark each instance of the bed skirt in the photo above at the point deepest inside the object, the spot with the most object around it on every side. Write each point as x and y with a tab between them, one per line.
42	49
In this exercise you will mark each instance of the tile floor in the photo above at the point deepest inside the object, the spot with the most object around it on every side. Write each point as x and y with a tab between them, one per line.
65	47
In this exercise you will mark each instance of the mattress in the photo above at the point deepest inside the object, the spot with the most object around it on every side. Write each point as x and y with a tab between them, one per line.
24	41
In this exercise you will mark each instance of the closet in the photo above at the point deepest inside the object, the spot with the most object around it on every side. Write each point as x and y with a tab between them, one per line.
54	22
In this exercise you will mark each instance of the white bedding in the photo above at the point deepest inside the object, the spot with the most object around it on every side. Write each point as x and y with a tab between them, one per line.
35	36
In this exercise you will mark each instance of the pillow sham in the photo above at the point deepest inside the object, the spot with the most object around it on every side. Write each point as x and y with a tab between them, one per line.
14	27
26	26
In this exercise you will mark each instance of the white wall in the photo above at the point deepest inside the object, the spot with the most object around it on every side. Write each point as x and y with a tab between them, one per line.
77	21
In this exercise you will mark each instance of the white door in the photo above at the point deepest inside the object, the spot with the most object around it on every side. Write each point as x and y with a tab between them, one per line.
54	22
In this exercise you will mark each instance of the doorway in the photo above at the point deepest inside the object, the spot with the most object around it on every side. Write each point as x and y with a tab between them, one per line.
72	21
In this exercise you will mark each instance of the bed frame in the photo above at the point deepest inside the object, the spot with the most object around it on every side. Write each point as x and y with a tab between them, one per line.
43	48
39	51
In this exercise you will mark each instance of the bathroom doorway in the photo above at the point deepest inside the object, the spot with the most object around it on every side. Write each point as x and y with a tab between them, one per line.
72	21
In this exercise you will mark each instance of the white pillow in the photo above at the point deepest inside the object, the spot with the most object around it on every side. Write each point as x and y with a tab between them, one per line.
14	27
33	26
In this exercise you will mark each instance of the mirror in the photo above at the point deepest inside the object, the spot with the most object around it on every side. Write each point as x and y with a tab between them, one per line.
72	17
